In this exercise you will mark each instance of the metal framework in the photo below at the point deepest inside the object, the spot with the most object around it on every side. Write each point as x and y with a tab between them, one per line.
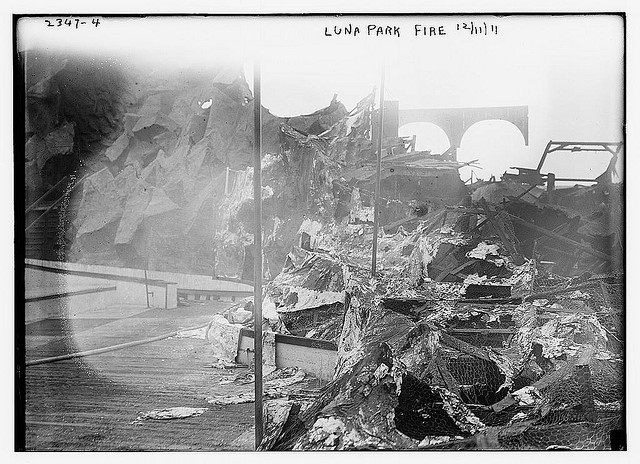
536	177
610	147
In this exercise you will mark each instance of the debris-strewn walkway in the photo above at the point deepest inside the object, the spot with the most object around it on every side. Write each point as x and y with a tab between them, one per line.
92	403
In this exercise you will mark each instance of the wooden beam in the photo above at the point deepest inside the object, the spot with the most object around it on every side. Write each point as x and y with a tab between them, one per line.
427	217
453	271
560	238
481	331
509	241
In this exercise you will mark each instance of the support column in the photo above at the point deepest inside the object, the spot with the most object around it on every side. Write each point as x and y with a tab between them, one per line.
376	205
257	256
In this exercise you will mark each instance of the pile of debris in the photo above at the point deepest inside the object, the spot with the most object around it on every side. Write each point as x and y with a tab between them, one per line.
489	325
454	345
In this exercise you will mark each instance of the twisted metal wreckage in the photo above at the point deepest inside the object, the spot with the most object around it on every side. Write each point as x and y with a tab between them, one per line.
489	325
495	320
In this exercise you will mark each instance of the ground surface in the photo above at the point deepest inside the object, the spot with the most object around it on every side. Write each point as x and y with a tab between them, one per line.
91	403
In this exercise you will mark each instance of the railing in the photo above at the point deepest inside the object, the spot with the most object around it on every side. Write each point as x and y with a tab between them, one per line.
68	190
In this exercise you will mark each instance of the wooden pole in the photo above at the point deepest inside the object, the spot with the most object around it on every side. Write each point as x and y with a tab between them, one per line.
257	255
376	206
106	349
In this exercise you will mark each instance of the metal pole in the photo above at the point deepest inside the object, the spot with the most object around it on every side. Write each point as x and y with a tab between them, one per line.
146	282
544	156
257	255
376	206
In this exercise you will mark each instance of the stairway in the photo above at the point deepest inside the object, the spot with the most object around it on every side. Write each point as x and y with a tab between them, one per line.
45	236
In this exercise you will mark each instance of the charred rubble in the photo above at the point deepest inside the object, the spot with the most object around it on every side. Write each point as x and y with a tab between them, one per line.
496	319
491	356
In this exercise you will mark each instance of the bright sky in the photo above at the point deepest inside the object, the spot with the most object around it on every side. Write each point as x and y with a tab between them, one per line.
567	69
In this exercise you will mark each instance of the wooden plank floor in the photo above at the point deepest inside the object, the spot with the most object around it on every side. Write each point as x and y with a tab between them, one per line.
91	403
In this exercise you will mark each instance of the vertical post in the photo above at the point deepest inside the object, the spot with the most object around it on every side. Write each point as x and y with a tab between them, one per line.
146	283
226	182
544	156
214	273
257	256
376	206
551	187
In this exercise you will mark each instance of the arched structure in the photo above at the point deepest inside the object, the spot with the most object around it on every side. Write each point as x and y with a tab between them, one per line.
429	136
456	121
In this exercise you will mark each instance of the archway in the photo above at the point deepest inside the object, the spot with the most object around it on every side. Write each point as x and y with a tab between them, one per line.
428	136
456	121
498	145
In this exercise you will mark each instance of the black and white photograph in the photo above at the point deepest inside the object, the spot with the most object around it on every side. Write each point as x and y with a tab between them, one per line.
277	232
